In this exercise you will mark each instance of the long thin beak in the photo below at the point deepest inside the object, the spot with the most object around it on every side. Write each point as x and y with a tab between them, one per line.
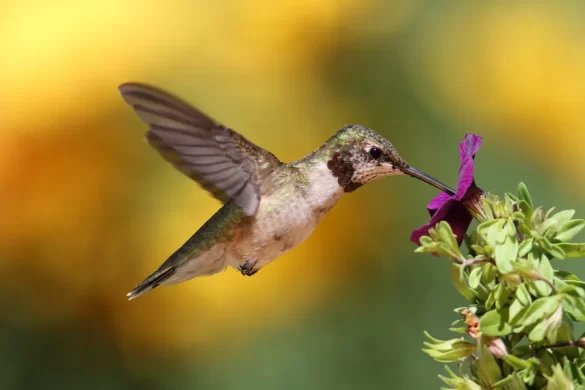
427	179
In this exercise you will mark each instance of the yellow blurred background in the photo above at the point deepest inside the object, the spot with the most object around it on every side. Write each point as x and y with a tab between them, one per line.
89	209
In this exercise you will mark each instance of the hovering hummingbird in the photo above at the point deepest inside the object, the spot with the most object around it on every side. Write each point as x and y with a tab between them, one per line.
270	206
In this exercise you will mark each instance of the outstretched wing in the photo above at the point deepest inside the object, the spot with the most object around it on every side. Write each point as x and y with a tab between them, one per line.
222	161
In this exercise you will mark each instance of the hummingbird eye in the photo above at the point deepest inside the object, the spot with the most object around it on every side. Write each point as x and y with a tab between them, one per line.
375	152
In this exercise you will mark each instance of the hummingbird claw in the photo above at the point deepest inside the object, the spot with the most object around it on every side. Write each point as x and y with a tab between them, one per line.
247	269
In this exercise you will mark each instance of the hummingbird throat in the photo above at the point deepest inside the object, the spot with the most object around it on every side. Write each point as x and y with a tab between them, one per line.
342	168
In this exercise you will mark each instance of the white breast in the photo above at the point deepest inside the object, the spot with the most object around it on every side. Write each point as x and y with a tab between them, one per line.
325	190
281	226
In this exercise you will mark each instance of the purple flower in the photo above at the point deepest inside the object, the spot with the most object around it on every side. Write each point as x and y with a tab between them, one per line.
454	209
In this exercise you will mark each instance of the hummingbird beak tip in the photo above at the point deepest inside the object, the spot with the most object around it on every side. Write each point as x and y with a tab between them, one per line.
427	179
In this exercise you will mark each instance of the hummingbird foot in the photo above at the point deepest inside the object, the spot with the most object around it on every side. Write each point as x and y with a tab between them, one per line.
247	269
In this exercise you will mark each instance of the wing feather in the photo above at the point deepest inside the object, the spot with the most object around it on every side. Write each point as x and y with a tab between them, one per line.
218	158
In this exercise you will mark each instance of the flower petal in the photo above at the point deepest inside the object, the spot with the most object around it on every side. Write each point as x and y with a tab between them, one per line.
436	203
453	209
467	150
469	146
454	213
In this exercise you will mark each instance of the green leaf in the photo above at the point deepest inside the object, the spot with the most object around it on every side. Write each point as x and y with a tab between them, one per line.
445	234
487	366
510	227
489	274
548	327
514	383
426	240
549	212
499	232
487	208
495	323
566	334
518	218
525	247
539	309
506	253
580	377
573	290
558	380
538	332
498	207
516	312
525	229
501	295
451	356
565	274
516	362
434	248
526	210
563	217
533	259
483	227
547	361
474	277
570	229
576	283
432	339
531	288
513	198
447	351
528	376
546	272
515	339
574	307
521	350
459	282
537	216
527	270
559	283
523	295
572	250
481	292
491	300
477	250
507	381
524	195
459	383
442	242
553	249
548	229
493	232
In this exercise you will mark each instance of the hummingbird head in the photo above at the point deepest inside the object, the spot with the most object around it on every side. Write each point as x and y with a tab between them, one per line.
362	155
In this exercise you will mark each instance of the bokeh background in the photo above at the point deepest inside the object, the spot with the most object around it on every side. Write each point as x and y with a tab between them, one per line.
88	209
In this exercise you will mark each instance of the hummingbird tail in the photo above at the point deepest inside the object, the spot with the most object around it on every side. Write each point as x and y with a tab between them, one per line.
151	282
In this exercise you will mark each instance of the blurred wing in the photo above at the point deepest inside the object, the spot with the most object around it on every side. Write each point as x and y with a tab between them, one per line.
221	160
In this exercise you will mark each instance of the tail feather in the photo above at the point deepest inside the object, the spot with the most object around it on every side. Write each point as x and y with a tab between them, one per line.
151	282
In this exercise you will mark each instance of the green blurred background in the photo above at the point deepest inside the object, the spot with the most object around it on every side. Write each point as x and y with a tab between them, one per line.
88	209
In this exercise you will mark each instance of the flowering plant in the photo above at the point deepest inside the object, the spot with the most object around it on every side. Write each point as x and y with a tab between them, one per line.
520	312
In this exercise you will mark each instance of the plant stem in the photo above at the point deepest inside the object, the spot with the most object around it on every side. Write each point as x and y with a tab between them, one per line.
470	262
564	344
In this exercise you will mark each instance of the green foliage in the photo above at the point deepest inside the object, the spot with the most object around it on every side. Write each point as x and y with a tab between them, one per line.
521	311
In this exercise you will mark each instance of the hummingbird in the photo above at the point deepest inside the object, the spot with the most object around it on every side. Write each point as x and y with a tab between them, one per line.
269	206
